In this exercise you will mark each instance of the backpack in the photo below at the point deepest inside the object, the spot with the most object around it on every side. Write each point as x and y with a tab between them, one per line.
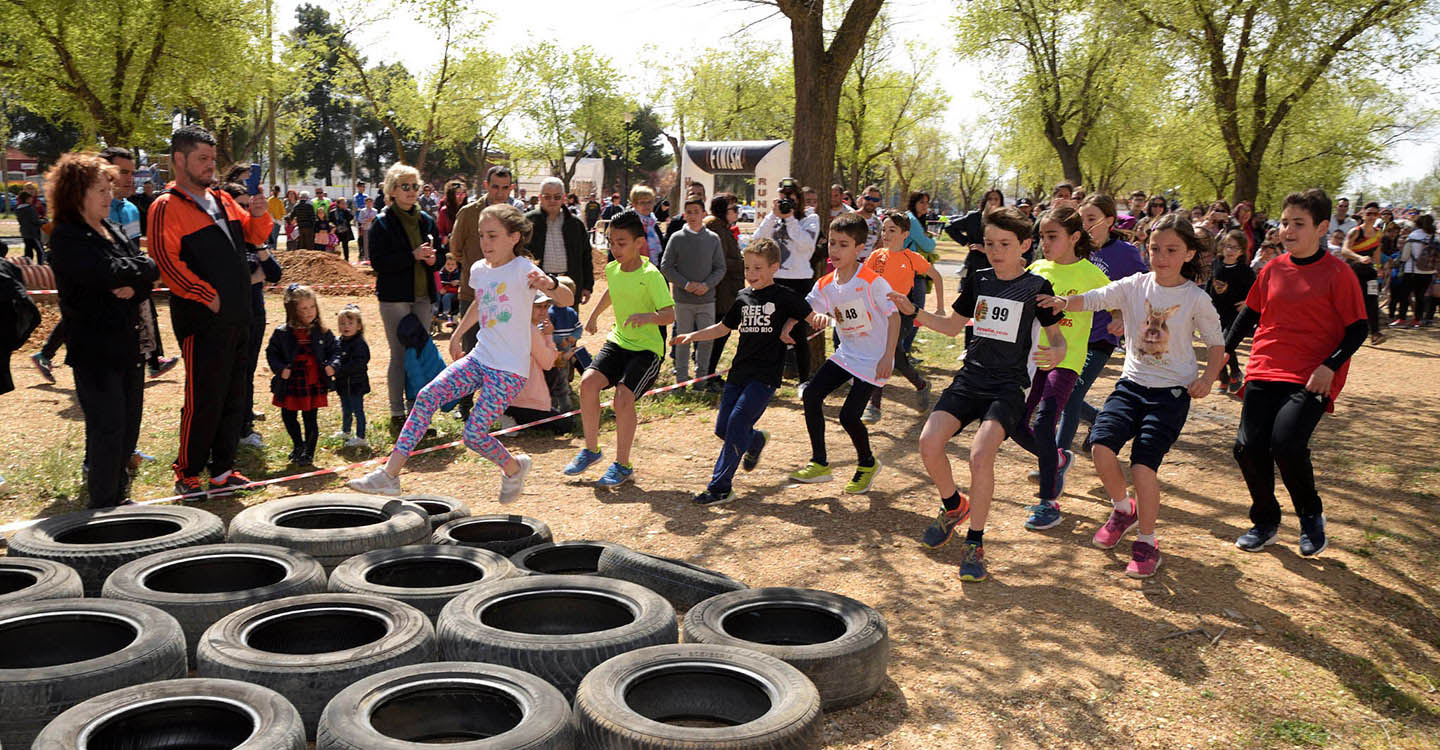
18	314
1427	258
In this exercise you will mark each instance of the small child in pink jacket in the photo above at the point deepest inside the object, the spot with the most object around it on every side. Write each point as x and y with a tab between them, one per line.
533	403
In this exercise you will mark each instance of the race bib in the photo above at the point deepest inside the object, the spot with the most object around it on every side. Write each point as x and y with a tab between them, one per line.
997	318
852	319
1372	288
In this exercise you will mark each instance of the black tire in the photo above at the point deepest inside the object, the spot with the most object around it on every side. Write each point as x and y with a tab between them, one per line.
574	558
308	648
682	583
24	579
468	706
442	509
199	585
728	697
60	652
96	542
196	713
842	645
332	527
557	627
496	532
425	576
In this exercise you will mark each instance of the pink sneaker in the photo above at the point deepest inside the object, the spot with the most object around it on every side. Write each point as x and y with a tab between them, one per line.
1116	527
1144	559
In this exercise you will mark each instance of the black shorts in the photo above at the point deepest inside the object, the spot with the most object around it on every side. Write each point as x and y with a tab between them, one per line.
621	366
959	402
1152	417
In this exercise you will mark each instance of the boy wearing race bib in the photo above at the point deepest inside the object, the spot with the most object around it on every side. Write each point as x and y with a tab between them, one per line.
990	388
854	300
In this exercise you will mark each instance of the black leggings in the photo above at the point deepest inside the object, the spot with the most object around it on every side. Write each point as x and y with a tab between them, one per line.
306	442
1370	280
1416	286
1276	423
829	377
801	332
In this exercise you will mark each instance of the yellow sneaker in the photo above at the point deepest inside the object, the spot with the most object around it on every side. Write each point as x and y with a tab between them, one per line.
813	473
864	477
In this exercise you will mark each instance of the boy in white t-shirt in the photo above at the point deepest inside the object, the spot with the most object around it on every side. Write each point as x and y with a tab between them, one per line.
856	301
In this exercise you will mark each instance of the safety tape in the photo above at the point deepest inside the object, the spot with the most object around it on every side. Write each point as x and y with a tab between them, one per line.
18	525
275	288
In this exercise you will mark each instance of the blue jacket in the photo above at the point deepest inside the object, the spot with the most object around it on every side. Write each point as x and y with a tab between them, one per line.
422	360
917	239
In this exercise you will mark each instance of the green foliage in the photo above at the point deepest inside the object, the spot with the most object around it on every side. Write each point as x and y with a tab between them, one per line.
1300	732
736	93
571	103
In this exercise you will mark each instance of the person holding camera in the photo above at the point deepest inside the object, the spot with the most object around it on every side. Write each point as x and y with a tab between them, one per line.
796	234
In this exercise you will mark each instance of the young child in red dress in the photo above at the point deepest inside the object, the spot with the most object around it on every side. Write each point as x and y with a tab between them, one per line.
302	353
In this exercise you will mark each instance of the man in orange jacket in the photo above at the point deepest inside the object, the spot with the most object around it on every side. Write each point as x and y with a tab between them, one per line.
197	237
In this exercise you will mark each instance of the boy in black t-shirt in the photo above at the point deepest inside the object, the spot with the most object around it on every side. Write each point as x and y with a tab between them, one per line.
763	313
991	385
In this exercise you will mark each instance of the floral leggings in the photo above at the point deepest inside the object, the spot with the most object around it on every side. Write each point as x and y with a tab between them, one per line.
494	390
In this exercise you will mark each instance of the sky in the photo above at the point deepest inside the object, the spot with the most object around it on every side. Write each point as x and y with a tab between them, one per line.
646	38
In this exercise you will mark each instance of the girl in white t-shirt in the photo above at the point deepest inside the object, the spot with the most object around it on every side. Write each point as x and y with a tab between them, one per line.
496	369
1163	311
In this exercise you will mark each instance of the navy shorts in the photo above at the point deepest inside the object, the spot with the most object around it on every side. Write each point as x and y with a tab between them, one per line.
960	403
1152	417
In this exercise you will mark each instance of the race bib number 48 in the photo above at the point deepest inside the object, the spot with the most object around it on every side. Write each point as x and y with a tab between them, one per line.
852	319
998	319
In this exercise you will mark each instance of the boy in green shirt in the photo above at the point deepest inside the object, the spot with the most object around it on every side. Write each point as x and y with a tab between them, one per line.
630	358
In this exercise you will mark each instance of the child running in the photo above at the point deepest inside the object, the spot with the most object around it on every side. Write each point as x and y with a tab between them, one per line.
900	268
1310	314
630	358
763	313
1066	248
496	368
352	376
302	354
856	300
990	387
1163	310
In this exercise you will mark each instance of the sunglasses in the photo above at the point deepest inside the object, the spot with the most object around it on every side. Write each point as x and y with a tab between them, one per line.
408	186
872	199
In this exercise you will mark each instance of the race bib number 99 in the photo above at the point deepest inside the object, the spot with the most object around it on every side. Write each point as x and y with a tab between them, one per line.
997	318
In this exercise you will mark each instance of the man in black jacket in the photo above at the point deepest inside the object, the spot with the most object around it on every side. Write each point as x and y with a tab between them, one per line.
559	242
304	216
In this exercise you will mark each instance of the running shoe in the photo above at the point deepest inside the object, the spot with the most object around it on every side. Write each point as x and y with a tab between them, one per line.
1396	323
1067	459
253	440
582	461
1257	538
1044	515
864	477
376	482
42	363
190	488
165	365
357	442
513	485
871	415
924	391
1312	535
1144	560
1116	527
711	497
228	482
972	562
340	435
943	527
752	456
813	473
615	476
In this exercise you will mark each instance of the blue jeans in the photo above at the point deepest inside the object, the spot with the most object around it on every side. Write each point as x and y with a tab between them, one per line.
741	406
917	298
449	303
1095	361
353	405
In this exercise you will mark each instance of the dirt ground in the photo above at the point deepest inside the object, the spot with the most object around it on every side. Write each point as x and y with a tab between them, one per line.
1058	649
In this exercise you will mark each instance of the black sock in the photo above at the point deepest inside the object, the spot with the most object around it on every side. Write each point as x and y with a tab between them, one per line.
975	537
867	462
952	502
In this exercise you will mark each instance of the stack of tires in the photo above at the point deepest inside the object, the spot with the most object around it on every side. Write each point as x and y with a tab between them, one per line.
359	623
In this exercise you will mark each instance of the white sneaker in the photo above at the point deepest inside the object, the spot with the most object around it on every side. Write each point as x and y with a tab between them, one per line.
357	442
512	486
507	421
341	435
253	440
376	482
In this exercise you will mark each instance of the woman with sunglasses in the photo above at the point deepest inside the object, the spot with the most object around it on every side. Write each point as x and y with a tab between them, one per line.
403	241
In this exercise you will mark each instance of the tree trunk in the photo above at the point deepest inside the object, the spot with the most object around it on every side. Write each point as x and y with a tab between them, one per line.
1247	182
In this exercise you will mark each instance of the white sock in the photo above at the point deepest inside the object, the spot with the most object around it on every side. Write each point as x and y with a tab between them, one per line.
1123	505
1146	538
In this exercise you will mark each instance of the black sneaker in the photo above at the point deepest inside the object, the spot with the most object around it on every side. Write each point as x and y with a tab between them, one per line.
1257	538
711	497
752	457
1312	535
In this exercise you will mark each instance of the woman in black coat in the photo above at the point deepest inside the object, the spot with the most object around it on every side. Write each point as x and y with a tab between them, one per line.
403	241
103	280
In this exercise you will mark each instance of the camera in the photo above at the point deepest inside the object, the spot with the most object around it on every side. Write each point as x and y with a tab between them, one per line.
785	206
789	196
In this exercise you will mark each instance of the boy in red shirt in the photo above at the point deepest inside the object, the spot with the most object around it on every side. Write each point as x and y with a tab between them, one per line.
1308	316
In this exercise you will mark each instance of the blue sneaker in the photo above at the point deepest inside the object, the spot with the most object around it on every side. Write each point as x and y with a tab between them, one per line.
972	562
582	461
1067	459
615	476
1045	515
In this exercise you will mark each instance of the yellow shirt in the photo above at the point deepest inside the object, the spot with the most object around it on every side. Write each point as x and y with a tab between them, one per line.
277	208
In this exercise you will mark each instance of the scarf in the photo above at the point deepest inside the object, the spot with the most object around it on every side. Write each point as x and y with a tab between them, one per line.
410	222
